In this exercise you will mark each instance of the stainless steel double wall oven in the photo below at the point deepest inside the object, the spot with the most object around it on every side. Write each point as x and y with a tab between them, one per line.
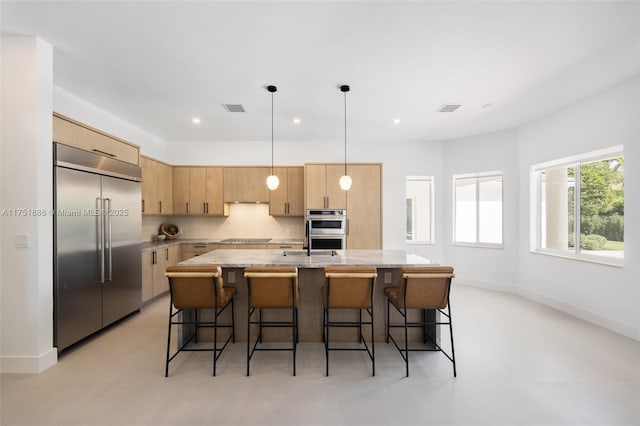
326	229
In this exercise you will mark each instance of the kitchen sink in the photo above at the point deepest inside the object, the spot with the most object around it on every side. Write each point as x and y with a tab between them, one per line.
246	240
313	253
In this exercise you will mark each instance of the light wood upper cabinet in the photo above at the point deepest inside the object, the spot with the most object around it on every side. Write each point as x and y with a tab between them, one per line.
198	190
180	190
322	187
166	188
73	133
157	187
364	207
149	186
214	183
246	184
288	198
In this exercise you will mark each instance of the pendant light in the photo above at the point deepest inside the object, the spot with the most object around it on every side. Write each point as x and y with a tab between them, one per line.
345	181
272	179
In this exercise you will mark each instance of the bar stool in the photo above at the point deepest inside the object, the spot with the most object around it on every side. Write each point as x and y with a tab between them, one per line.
193	288
348	287
272	288
426	288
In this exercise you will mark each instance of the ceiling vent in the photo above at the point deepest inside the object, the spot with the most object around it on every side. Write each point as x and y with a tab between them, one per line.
233	107
448	108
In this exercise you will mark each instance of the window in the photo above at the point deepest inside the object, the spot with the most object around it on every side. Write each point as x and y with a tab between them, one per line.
477	204
579	205
419	191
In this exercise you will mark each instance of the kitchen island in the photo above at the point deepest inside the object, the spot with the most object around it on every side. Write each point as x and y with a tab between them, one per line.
310	280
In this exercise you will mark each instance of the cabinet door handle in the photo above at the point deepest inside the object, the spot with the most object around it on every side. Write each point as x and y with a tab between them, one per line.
154	257
160	206
206	207
142	206
187	207
104	153
166	255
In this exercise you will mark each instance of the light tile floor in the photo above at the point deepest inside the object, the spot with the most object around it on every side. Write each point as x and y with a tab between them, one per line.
519	363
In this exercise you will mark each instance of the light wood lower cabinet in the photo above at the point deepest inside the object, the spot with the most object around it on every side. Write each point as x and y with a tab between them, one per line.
154	265
196	249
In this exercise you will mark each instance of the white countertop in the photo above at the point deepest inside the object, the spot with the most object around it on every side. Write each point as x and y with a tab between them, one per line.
252	257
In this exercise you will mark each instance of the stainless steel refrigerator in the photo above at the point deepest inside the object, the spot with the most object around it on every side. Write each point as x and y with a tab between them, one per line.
98	226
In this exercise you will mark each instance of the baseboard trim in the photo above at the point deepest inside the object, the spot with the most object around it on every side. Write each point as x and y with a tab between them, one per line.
620	327
28	364
625	329
487	285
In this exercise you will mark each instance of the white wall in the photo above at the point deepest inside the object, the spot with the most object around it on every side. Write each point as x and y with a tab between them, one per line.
606	295
26	290
485	267
79	109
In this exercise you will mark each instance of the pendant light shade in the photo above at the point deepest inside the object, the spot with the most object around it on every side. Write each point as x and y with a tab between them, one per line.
345	181
272	179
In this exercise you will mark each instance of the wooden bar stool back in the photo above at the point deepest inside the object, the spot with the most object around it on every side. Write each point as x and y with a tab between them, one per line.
349	287
272	288
426	288
193	288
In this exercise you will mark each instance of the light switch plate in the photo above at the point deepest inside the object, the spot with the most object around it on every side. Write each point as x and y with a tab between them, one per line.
22	240
387	277
231	277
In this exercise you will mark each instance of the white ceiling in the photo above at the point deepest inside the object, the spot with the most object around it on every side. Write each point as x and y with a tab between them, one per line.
157	64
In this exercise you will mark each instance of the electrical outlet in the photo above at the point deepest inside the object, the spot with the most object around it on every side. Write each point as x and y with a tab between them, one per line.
387	277
231	277
22	240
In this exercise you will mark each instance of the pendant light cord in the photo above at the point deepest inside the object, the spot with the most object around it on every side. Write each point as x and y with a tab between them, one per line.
272	133
345	133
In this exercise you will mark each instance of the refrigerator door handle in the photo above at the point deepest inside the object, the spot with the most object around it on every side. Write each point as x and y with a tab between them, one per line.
100	232
107	213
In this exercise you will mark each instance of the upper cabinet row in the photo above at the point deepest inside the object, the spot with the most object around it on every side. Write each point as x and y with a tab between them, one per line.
205	191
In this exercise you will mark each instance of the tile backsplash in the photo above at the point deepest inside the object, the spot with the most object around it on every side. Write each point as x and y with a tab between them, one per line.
244	221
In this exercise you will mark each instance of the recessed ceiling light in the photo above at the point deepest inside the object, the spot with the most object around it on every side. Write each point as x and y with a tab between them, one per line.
396	121
296	120
195	120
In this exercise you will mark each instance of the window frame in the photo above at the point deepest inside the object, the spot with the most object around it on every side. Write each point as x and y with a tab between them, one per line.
477	176
535	206
431	180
